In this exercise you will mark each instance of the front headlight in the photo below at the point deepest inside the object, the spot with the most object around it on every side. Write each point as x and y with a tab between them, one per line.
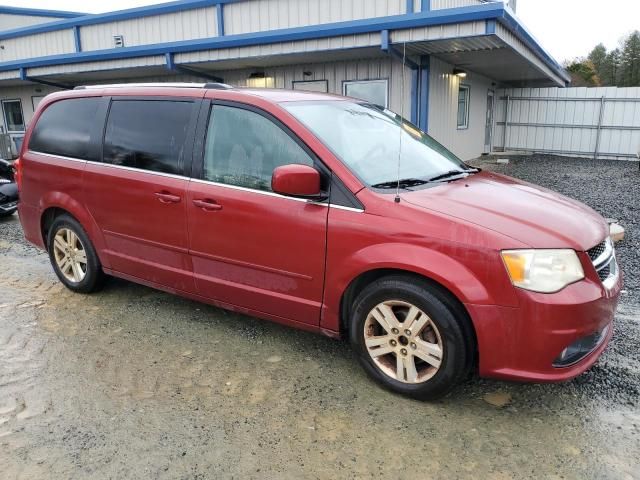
544	271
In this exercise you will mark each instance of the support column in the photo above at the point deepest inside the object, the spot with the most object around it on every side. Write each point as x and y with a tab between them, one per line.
423	112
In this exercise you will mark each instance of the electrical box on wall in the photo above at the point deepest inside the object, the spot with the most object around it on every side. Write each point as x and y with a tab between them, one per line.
118	41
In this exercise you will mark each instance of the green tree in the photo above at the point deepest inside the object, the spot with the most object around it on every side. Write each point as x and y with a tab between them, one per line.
630	61
598	56
583	73
610	69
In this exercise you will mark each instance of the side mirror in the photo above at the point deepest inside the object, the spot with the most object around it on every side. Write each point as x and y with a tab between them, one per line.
297	181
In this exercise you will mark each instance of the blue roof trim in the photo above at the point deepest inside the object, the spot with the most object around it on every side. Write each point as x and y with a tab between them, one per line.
37	12
128	14
438	17
483	12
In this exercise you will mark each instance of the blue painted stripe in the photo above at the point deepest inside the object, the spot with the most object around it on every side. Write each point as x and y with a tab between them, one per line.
490	27
384	40
220	19
409	6
415	95
437	17
128	14
425	71
168	60
38	12
425	6
76	38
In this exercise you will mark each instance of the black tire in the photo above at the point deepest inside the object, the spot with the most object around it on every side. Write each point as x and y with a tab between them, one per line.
452	324
6	214
94	276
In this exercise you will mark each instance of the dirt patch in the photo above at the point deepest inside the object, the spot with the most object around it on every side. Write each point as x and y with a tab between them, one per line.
135	383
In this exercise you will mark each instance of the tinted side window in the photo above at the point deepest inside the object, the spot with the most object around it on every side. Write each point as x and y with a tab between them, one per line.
147	134
243	148
64	128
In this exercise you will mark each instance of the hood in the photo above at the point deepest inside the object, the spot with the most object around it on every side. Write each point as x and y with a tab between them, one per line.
525	212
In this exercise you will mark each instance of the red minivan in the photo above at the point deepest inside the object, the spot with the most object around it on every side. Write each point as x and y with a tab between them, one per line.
324	213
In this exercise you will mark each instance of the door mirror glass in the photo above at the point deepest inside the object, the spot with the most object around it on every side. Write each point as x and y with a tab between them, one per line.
297	181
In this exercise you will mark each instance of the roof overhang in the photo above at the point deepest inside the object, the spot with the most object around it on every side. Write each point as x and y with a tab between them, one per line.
497	46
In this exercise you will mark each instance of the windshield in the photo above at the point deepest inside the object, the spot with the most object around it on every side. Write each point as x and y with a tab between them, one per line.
367	139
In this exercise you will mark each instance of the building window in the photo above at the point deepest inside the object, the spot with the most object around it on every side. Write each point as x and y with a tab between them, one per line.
373	91
321	86
463	107
243	148
13	118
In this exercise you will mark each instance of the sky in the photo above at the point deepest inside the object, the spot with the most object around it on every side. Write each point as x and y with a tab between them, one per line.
566	28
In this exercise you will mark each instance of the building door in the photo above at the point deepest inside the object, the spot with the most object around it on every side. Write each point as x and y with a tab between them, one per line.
488	132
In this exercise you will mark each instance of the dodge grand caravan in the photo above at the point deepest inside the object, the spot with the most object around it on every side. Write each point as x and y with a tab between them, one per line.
323	213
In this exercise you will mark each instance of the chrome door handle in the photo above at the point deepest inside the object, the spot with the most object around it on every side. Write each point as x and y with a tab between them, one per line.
208	205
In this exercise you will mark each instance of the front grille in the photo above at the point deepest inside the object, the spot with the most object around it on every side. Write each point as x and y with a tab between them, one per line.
596	251
604	272
604	261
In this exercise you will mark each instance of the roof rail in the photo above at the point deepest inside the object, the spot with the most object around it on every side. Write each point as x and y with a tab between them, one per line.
210	86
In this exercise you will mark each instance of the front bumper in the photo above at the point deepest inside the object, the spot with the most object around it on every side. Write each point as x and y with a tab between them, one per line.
524	343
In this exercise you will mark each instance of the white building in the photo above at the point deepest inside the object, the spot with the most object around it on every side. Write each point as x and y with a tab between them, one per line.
457	53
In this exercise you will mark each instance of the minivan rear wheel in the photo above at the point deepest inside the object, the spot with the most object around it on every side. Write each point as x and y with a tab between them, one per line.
408	337
73	256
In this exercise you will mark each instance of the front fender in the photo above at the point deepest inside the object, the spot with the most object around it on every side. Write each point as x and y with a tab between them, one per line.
444	269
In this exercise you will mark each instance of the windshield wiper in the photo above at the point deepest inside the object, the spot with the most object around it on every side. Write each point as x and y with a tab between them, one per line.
403	183
451	173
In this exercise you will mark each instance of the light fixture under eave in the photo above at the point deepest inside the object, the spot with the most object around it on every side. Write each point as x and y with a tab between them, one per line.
459	73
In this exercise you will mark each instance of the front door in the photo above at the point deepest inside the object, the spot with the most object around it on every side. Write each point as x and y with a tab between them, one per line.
138	194
488	132
251	247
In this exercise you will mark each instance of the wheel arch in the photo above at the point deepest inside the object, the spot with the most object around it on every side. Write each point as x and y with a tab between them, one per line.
359	283
56	204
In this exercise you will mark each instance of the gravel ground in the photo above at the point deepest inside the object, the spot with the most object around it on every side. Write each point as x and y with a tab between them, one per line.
136	383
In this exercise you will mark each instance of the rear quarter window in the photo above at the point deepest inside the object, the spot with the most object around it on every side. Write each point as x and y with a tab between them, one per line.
148	134
64	129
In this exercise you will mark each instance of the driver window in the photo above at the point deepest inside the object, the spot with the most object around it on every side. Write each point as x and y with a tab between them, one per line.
243	148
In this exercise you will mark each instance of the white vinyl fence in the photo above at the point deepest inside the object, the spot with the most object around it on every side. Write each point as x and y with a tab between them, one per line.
585	122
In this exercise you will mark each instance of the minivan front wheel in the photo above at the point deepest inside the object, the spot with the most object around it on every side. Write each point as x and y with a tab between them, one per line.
409	338
73	257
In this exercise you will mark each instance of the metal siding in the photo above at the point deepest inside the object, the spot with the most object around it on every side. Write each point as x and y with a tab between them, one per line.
439	32
519	46
39	45
443	108
579	118
98	66
302	46
24	93
185	25
263	15
336	73
9	22
442	4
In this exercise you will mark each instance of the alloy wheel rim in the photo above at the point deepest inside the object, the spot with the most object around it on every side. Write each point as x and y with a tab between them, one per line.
70	255
403	342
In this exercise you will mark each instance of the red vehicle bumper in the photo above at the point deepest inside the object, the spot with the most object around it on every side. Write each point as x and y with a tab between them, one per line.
524	343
